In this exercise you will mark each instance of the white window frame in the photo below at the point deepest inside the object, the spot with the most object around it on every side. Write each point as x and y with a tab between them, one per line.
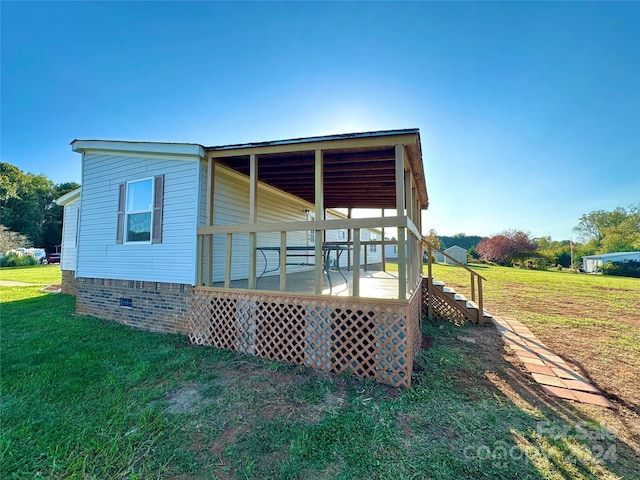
126	240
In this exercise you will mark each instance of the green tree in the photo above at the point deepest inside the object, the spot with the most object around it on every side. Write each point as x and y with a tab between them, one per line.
556	252
10	240
433	238
460	239
26	205
24	199
615	231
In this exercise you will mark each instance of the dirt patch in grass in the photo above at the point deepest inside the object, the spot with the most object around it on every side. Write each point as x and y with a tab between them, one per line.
612	289
217	448
186	399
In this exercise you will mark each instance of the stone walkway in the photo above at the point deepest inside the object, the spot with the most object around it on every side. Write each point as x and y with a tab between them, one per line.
555	377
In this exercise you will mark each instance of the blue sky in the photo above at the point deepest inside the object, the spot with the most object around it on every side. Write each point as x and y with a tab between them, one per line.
529	112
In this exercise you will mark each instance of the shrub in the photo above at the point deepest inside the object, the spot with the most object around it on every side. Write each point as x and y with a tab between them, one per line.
630	268
540	263
17	260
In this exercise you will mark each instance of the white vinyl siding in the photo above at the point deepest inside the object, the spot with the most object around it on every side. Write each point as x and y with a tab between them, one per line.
185	197
99	256
69	236
202	194
231	200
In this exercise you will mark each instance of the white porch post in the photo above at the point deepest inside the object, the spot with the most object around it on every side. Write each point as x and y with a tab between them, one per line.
384	255
356	262
349	242
408	177
319	238
402	248
253	217
283	261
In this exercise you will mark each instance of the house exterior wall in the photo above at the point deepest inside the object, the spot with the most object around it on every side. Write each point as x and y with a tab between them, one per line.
173	260
69	282
374	252
391	252
590	264
202	193
69	236
231	207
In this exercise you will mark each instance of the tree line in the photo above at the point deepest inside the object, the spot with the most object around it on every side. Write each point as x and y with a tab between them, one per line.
597	232
28	215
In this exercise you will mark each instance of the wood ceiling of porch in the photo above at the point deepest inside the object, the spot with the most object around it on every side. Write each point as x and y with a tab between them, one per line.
353	178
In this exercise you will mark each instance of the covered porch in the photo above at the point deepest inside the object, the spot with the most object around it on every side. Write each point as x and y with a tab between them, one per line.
373	284
294	274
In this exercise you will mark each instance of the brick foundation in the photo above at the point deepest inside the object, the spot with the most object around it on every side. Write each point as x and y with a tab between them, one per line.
69	283
155	306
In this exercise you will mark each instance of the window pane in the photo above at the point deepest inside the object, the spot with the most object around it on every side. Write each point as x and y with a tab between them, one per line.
139	196
139	227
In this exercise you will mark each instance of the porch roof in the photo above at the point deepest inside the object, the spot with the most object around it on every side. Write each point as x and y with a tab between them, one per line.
359	168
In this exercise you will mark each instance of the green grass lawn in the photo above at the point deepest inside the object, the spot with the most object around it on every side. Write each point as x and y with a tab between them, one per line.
38	274
590	320
85	398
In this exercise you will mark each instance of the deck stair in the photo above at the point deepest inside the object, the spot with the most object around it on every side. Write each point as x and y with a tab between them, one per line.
444	302
450	305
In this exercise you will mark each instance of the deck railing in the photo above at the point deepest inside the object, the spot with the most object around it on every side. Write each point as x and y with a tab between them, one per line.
475	280
409	244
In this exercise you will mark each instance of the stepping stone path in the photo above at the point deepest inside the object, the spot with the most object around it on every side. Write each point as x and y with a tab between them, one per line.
555	377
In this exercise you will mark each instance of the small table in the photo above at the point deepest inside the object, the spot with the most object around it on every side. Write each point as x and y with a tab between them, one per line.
305	251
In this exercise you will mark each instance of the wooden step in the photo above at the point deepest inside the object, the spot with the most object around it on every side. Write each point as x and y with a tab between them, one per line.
474	305
456	300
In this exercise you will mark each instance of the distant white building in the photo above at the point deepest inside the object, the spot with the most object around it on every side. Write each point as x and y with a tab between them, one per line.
591	263
459	253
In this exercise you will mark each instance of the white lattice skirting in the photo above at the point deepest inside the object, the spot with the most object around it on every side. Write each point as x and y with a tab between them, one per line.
369	338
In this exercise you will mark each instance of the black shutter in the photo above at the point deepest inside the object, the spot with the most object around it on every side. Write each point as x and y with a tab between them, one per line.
158	201
121	199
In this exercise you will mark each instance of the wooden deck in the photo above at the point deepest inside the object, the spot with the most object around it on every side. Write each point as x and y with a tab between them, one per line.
373	284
